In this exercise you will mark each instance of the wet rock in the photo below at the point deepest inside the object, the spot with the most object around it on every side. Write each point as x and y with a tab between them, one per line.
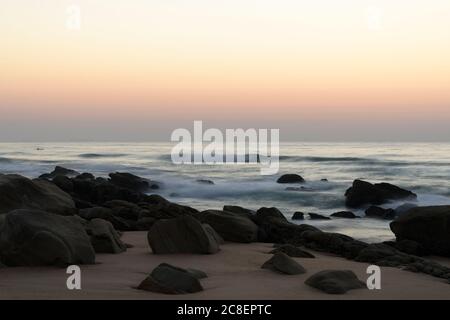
344	214
181	235
282	263
59	171
292	251
409	247
363	192
130	181
315	216
263	213
335	281
239	210
231	226
17	192
37	238
290	178
171	280
404	208
428	226
104	237
205	181
124	209
380	213
298	216
64	183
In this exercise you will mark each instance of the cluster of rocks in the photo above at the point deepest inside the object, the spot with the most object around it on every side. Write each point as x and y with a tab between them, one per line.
65	217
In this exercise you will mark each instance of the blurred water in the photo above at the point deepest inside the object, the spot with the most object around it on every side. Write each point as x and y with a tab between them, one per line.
422	168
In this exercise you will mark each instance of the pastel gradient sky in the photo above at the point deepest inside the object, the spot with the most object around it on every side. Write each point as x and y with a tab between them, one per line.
320	70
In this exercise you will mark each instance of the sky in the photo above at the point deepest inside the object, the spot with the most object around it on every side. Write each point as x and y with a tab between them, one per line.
324	70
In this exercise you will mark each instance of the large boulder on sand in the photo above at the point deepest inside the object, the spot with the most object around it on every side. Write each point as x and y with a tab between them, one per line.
284	264
172	280
335	281
104	237
362	193
181	235
17	192
231	226
428	226
34	238
292	251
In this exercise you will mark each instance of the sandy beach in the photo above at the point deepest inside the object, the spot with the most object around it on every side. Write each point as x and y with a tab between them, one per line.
233	273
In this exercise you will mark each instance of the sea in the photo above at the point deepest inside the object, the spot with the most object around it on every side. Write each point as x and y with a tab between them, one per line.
328	169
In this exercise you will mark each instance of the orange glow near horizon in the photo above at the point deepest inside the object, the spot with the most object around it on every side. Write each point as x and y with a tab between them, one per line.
281	59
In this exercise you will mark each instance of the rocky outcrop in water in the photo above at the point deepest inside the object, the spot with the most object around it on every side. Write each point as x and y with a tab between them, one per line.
362	193
290	178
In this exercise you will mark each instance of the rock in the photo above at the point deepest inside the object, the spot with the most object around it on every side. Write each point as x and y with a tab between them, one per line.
124	209
282	263
298	216
145	224
85	176
171	280
231	226
104	237
263	213
59	171
404	208
324	180
130	181
290	178
408	246
335	281
344	214
213	233
428	226
239	210
159	208
315	216
17	192
380	213
36	238
64	183
205	181
181	235
292	251
107	214
363	192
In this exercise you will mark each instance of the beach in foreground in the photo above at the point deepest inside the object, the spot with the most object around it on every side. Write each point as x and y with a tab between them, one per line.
233	273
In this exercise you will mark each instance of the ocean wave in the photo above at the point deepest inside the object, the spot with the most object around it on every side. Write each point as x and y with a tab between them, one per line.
5	160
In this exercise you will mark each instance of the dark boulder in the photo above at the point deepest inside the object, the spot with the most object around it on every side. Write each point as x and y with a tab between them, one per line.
428	226
298	216
205	181
181	235
239	210
404	208
171	280
290	178
380	213
363	192
59	171
144	224
35	238
335	281
231	226
64	183
315	216
344	214
104	237
409	247
292	251
124	209
282	263
264	213
130	181
17	192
